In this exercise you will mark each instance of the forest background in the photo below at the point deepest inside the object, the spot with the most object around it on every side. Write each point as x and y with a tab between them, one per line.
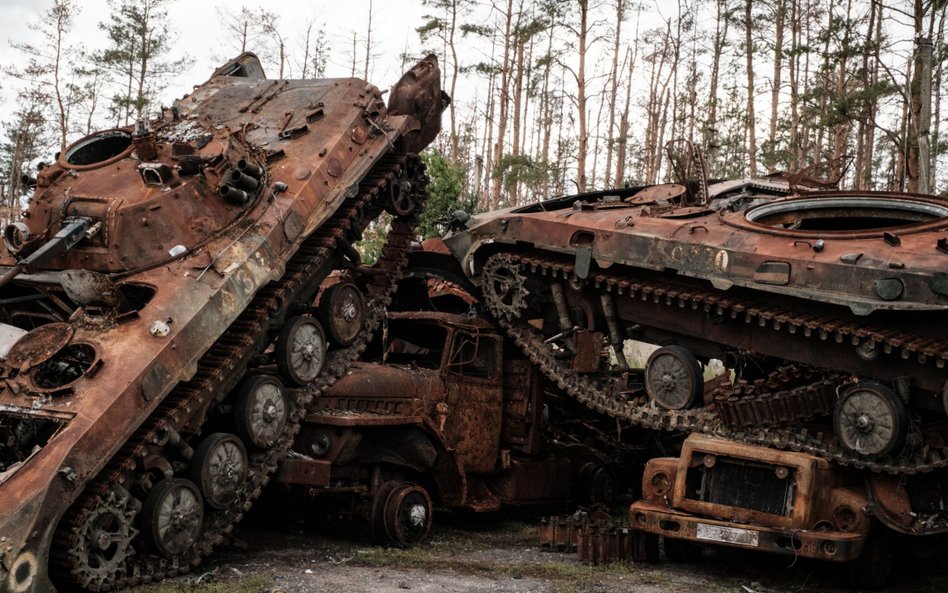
550	96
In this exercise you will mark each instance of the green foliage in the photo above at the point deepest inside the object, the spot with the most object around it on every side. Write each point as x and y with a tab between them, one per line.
26	139
139	41
445	193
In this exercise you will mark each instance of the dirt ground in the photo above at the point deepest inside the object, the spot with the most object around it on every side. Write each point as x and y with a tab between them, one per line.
496	554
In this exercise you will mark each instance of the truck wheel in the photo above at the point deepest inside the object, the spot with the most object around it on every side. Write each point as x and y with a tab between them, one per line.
873	569
680	550
378	511
401	514
597	484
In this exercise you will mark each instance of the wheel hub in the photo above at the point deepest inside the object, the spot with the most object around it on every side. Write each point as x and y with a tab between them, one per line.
417	515
669	382
864	423
269	412
349	312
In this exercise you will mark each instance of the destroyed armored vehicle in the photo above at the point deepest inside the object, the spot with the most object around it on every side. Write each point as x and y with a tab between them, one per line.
442	412
158	333
825	309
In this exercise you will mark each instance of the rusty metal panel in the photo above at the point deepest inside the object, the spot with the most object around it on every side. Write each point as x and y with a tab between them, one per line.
305	472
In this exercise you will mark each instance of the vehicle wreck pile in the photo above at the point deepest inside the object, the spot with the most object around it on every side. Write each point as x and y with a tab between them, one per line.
825	434
184	318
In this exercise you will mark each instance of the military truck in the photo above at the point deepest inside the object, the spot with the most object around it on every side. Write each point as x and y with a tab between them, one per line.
447	416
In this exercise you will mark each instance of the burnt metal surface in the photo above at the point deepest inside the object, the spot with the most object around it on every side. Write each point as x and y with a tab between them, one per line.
825	309
153	268
721	492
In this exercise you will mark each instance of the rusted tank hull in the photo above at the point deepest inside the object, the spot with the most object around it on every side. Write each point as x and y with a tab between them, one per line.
824	309
200	240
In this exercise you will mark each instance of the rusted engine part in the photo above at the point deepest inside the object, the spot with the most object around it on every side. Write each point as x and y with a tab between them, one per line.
595	537
192	340
218	370
799	505
560	533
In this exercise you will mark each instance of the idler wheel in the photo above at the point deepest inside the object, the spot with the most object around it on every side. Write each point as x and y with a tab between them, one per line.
400	199
301	349
673	378
407	517
342	312
262	411
172	516
870	419
219	468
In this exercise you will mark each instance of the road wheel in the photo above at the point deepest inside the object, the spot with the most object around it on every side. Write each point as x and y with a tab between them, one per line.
870	419
301	350
342	313
219	468
673	378
262	411
172	517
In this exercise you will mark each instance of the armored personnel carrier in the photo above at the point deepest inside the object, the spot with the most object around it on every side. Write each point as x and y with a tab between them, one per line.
159	338
827	309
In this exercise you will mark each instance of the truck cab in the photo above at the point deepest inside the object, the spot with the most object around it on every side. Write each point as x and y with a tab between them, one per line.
720	492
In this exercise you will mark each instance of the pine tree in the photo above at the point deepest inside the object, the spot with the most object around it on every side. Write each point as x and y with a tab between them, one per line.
140	41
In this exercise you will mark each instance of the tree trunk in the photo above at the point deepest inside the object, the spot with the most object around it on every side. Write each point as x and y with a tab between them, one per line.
775	91
613	96
583	143
793	66
502	108
751	119
720	38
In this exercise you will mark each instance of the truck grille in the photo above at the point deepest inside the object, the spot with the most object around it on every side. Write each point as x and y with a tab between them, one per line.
742	484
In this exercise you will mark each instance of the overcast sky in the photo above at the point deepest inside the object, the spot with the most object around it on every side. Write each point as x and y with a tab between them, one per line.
196	24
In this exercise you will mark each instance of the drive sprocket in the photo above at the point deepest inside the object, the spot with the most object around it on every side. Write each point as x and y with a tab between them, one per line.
505	287
104	542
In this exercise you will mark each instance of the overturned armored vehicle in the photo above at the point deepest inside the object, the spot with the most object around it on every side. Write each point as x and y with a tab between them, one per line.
827	309
158	332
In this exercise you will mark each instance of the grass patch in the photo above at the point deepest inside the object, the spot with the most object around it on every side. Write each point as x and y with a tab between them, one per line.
255	583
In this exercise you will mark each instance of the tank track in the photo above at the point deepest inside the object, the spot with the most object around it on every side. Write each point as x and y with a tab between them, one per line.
788	395
602	395
225	363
